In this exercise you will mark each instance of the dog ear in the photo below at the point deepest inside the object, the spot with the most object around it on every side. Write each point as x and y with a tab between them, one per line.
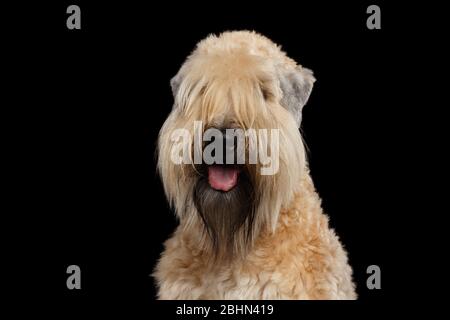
296	86
175	83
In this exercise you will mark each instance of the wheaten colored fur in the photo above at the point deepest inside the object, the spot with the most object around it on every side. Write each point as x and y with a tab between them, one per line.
292	252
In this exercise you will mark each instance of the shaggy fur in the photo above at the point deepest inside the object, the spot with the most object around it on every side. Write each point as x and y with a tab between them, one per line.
267	238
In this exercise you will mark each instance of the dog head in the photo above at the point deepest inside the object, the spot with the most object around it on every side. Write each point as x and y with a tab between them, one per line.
237	87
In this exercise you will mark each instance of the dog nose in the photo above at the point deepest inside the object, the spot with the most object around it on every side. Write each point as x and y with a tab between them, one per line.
228	142
229	145
229	138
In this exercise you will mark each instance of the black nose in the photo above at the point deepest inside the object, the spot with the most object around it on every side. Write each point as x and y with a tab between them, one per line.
227	154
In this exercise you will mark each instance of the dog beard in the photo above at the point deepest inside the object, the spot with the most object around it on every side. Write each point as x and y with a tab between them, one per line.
227	215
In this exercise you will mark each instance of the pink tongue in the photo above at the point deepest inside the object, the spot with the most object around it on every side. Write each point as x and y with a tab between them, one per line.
222	178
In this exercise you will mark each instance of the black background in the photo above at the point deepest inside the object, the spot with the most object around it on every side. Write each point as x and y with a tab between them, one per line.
95	99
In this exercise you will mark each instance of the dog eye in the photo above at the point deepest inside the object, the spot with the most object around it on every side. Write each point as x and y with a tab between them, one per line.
267	95
265	92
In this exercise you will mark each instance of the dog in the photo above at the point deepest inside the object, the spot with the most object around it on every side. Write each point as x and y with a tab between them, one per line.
243	233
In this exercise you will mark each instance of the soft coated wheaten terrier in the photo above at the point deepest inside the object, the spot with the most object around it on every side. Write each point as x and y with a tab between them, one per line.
244	233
